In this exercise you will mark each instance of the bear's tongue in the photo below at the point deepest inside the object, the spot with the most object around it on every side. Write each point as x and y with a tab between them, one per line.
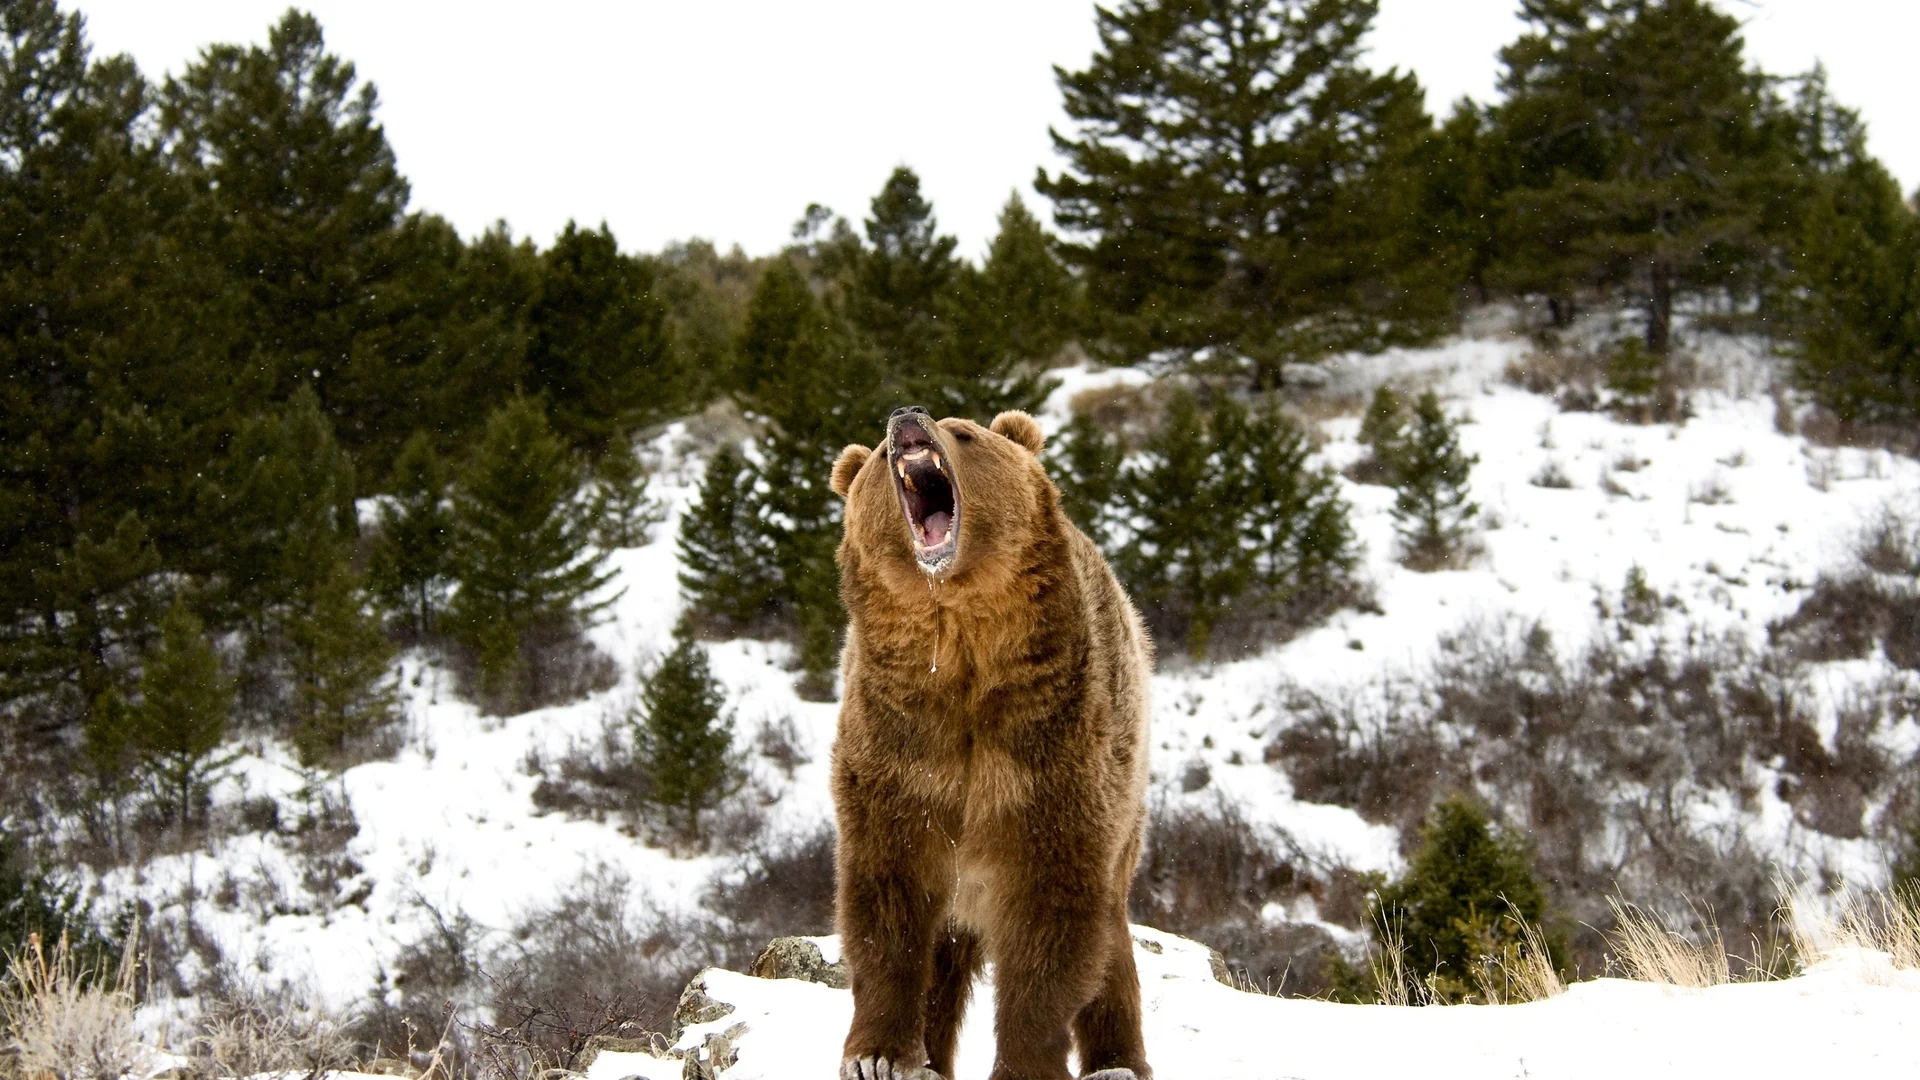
936	527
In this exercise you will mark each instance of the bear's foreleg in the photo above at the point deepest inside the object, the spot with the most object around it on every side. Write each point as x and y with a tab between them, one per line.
892	897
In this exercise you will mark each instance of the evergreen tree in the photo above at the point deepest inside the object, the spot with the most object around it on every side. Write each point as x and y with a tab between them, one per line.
728	569
1431	510
111	370
898	289
683	737
522	560
411	561
337	662
182	716
299	196
816	387
1012	316
1242	180
1296	522
1382	430
601	352
623	515
1645	156
1458	903
1853	300
1185	559
1085	463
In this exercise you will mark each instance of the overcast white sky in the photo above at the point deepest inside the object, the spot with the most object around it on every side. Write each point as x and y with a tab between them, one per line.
724	120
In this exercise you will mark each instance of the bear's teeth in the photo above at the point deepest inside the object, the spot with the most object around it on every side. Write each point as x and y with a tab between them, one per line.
936	460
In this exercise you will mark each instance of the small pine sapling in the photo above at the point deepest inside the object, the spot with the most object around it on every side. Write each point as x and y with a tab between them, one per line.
1381	431
1636	377
623	515
1466	912
1432	511
182	716
338	661
1298	523
683	738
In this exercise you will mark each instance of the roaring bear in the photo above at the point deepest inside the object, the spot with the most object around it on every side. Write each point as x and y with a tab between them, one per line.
990	772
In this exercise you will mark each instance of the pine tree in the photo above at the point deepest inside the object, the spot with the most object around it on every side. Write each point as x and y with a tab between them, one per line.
1085	464
182	715
817	387
1242	181
1459	902
1012	315
898	288
337	661
602	351
728	569
623	515
299	195
1853	299
521	552
1645	157
1295	518
1432	511
683	737
1185	560
411	561
1382	431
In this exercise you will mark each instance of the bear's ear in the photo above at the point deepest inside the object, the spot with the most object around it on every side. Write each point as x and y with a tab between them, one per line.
847	466
1019	427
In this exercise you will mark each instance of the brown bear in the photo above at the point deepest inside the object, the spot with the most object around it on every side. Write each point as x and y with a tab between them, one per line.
990	772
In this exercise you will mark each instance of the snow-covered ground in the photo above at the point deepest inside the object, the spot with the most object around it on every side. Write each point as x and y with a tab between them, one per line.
1852	1015
1724	513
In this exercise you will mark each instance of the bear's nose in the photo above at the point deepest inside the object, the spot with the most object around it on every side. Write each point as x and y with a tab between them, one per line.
907	410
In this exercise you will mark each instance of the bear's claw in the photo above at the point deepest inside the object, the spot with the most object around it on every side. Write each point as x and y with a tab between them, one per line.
879	1068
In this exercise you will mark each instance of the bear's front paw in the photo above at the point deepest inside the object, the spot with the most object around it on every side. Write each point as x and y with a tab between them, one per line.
879	1068
1111	1074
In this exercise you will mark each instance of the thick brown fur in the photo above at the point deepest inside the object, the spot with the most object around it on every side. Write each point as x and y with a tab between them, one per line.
990	771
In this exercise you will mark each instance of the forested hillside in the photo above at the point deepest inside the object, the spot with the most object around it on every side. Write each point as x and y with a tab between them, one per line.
294	477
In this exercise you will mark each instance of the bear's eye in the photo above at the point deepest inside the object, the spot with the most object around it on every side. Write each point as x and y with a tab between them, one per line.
963	435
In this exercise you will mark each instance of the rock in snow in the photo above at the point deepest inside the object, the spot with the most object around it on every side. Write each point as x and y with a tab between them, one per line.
1852	1016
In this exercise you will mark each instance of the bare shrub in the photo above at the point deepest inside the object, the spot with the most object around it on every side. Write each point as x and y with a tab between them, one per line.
1842	618
1207	874
594	963
68	1020
596	776
779	887
557	664
1889	543
1551	475
409	1016
1602	758
1571	378
247	1030
780	742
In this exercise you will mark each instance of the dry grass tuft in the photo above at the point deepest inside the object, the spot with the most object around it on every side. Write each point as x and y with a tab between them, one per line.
1522	971
1885	922
67	1022
1646	950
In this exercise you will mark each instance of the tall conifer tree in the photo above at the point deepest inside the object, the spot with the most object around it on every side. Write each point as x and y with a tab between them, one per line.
411	563
601	352
1644	154
1238	178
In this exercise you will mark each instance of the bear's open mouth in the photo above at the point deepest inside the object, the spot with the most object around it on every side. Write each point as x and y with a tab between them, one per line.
929	497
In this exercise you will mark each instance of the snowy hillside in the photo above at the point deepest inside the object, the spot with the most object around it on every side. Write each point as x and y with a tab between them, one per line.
1728	518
